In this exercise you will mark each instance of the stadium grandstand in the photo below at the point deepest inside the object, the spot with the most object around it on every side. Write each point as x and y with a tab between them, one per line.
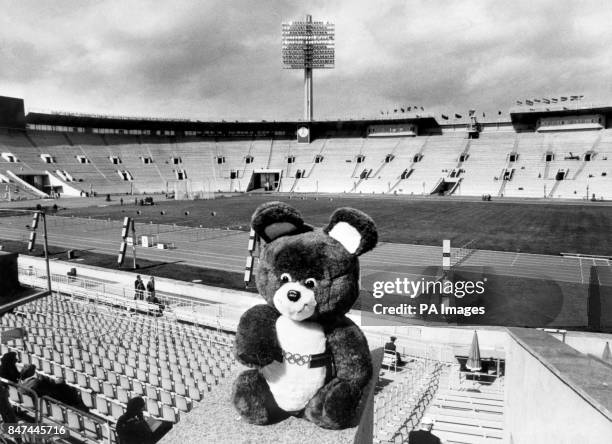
562	153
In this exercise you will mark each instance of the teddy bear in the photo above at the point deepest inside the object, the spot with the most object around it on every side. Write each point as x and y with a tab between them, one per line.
306	358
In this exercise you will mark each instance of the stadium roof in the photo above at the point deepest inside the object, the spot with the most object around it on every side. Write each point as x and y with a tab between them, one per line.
223	127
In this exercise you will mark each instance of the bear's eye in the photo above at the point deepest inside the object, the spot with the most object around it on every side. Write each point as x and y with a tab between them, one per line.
310	283
285	277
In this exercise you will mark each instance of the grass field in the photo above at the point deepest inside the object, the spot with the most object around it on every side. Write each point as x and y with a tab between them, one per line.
547	228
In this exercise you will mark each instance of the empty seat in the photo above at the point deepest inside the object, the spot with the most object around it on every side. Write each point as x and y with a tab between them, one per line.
123	395
137	387
125	382
82	380
73	420
56	413
117	410
108	389
102	405
153	407
169	414
182	403
165	397
154	379
100	373
180	389
194	394
151	392
88	399
69	376
91	427
95	385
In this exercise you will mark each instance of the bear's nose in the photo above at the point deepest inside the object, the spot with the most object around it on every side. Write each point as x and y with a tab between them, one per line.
293	295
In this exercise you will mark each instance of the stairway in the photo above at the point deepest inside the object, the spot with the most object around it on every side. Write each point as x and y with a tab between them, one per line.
411	167
270	155
466	415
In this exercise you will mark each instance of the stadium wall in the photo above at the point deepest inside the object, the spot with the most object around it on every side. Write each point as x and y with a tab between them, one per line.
538	365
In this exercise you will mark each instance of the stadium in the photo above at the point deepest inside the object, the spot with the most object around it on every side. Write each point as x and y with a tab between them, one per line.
492	273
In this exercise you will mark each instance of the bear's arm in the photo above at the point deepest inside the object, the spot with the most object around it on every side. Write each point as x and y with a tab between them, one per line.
256	342
350	351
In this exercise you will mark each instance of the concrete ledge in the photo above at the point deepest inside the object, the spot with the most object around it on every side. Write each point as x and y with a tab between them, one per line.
588	377
215	420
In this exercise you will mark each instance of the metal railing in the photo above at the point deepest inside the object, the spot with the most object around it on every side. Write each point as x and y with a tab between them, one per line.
177	307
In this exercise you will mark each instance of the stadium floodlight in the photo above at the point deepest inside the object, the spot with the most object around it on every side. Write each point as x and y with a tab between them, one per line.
308	45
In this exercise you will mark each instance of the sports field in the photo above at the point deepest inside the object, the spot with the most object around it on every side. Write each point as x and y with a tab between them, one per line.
532	227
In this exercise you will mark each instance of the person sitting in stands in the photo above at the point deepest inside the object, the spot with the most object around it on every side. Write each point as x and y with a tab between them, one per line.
8	369
28	378
7	413
58	389
390	346
131	426
424	435
67	394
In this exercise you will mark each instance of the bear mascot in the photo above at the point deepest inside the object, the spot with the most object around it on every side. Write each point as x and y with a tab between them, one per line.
306	357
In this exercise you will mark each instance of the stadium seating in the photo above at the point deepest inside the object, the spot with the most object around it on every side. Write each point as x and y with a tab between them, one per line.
403	398
464	413
339	170
111	355
386	176
399	165
488	157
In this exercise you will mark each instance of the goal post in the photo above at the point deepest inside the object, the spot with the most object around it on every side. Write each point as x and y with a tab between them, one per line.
188	190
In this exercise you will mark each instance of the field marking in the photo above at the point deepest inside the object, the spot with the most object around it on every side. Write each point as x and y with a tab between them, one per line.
581	273
515	258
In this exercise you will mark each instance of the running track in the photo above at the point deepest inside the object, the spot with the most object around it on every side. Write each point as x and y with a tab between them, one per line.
226	250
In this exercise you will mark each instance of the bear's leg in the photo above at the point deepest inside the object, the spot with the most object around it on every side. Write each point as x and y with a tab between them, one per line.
335	405
252	398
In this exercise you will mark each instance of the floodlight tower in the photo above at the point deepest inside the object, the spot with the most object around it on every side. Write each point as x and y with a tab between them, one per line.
308	45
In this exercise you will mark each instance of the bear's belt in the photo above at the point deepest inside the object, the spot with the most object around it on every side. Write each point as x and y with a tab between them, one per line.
312	361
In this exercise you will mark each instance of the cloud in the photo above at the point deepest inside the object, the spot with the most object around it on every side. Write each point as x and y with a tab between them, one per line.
221	59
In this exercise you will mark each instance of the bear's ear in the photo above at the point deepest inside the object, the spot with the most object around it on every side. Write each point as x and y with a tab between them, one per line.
276	219
355	230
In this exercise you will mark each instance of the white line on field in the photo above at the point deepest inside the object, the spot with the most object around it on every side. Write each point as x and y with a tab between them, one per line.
515	258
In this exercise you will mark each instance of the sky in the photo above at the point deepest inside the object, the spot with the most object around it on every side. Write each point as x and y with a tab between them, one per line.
220	59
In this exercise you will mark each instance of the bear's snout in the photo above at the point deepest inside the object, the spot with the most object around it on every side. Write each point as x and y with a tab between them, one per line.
295	301
293	295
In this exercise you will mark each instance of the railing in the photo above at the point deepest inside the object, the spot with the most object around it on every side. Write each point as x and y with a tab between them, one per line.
400	410
182	308
476	379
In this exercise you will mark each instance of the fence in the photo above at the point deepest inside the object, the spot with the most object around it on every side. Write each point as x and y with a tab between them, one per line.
162	233
176	307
